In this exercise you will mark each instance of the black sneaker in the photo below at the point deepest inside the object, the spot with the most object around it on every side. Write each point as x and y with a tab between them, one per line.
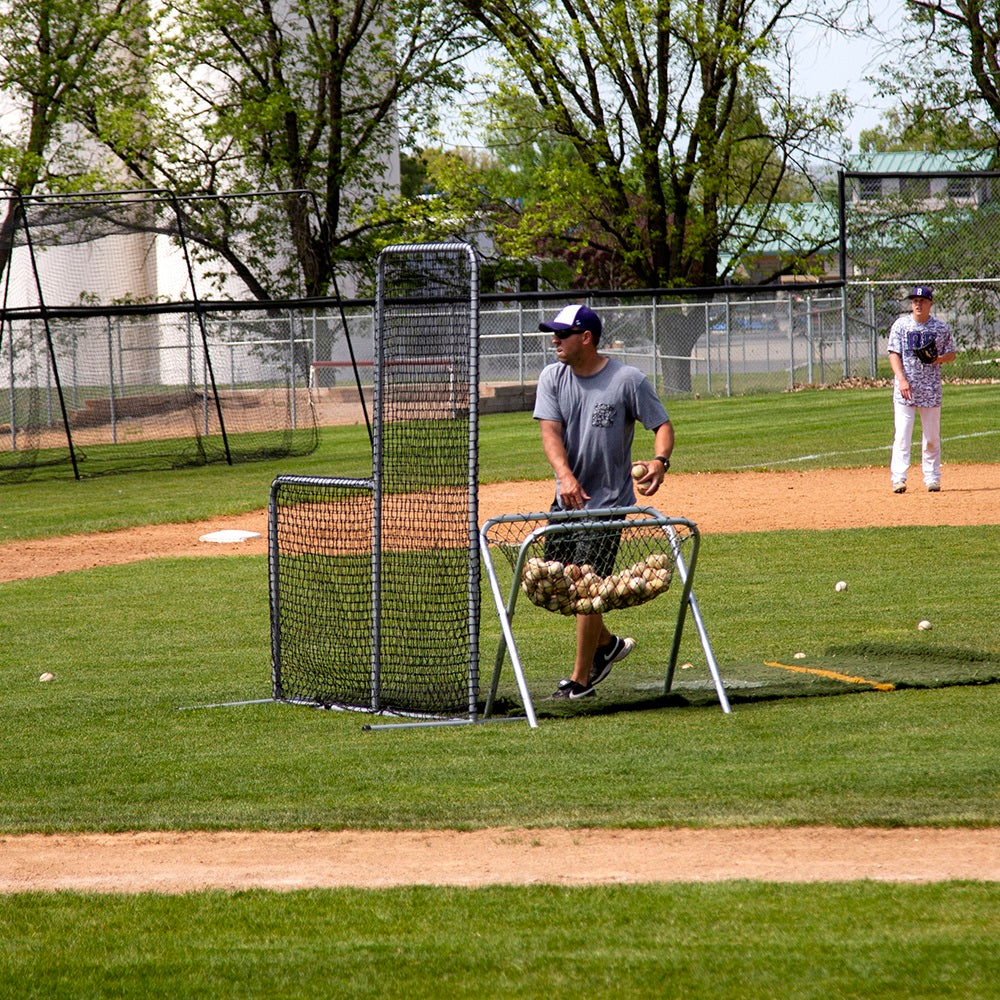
571	690
617	649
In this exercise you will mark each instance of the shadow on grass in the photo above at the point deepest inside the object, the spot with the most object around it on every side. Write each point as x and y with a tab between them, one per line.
857	668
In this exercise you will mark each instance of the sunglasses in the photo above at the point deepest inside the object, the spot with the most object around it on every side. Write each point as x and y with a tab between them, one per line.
563	334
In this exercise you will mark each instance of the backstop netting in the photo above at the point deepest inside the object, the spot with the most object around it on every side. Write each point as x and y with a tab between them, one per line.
109	358
375	583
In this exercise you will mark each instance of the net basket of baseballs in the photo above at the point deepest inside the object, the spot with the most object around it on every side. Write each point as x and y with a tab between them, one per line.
591	562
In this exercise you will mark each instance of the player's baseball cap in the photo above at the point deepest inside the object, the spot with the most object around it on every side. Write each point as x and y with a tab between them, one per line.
922	292
576	317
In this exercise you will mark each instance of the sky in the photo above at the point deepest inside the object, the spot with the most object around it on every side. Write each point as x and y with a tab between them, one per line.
824	61
841	63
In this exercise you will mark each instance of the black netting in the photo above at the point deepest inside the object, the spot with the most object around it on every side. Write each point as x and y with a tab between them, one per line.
108	359
138	391
321	590
425	457
422	541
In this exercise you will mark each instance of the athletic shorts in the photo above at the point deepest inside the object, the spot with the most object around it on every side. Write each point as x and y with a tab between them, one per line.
595	548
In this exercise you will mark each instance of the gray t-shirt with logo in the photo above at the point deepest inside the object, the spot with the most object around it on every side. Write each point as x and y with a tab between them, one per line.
598	414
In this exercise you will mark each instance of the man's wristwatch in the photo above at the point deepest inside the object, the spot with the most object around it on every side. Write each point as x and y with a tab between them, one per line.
664	460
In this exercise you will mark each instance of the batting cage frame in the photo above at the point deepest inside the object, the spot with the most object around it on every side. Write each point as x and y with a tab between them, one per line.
113	355
375	582
634	552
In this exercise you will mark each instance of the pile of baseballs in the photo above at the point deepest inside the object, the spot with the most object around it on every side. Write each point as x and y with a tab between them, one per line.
578	590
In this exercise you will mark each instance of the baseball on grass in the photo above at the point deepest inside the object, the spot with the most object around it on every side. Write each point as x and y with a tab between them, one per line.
924	625
840	585
638	470
47	677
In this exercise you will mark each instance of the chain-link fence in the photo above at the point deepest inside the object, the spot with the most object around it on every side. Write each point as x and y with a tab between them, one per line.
898	230
720	343
921	227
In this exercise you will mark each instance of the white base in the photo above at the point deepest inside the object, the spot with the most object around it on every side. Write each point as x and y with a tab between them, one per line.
229	535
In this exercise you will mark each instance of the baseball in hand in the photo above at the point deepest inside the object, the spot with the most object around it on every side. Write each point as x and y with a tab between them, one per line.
638	470
840	585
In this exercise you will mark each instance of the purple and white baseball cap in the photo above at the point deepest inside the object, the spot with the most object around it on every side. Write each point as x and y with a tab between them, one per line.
576	317
922	292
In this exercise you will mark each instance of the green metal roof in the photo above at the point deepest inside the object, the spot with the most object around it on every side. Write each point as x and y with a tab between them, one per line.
921	161
792	227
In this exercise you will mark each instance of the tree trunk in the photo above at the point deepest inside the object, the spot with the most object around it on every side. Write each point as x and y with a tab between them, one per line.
676	340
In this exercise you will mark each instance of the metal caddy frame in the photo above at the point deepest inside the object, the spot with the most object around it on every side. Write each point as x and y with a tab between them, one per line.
610	519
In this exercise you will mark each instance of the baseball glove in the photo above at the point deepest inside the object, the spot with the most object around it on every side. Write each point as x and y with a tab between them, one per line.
927	352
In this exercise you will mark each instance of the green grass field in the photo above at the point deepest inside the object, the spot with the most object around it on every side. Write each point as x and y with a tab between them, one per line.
121	741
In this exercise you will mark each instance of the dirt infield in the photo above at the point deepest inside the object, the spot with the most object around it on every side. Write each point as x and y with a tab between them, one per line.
716	502
724	502
181	862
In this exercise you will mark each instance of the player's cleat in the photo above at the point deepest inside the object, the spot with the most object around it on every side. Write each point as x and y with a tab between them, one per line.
933	487
899	486
571	690
617	649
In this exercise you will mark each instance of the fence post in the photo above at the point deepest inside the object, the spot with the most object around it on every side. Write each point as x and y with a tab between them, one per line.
791	340
291	364
809	338
520	343
76	375
204	387
729	351
843	327
111	383
873	338
655	327
230	340
708	347
10	381
314	353
48	387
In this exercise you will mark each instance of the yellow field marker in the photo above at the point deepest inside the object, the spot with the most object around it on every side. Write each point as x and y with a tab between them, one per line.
833	675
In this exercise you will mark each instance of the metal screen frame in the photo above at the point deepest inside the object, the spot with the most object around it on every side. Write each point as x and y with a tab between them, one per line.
380	458
436	288
274	567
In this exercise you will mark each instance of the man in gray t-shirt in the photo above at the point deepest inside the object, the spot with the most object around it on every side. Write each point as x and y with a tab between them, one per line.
587	406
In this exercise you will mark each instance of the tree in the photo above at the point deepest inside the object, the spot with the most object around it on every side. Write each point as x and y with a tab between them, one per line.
309	97
54	56
944	79
897	133
483	194
945	74
678	121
